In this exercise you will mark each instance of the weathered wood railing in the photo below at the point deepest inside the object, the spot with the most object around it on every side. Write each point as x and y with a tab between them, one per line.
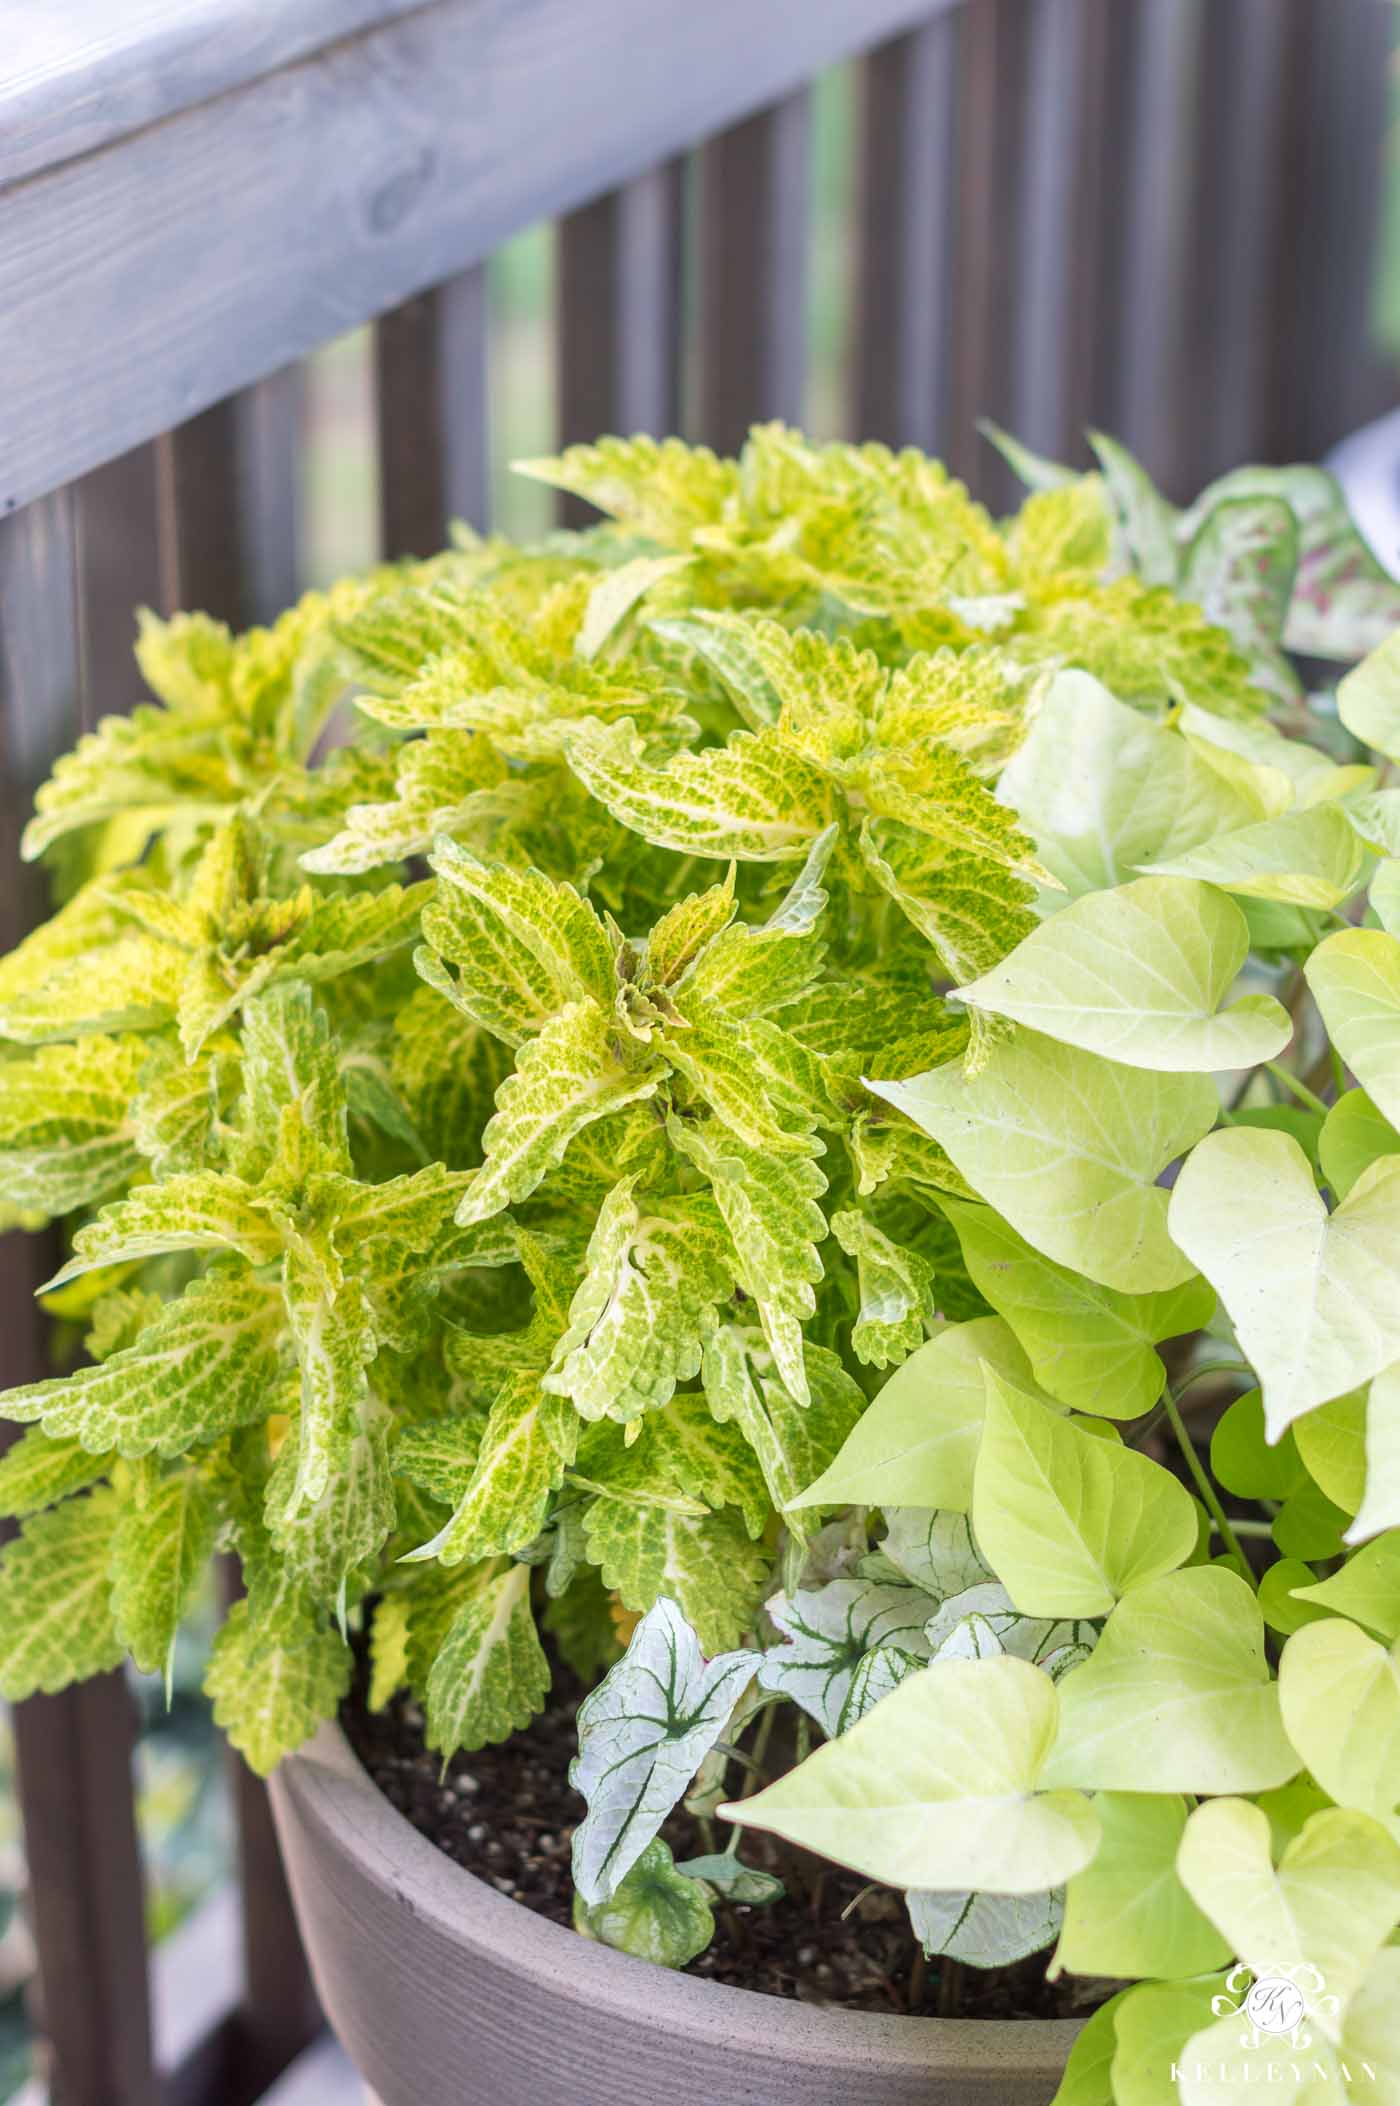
1155	215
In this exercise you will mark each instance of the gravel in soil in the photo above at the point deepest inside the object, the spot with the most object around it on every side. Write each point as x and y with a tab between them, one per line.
508	1814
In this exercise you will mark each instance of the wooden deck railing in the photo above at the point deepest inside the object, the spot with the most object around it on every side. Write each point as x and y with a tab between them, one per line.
1154	215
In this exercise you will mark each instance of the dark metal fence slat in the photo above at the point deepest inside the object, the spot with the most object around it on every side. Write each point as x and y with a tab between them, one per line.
619	264
901	324
430	411
117	516
73	1750
753	269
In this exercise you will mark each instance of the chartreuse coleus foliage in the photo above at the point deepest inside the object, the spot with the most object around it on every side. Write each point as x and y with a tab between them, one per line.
674	1097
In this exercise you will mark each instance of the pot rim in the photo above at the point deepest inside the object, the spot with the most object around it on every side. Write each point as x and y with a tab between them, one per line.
324	1787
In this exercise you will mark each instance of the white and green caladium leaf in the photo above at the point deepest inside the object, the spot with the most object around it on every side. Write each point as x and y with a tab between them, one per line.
491	1675
933	1551
917	1443
1239	567
1177	1696
657	1913
984	1930
1311	1296
564	1080
1355	980
1068	1147
1307	858
1138	975
1340	1693
1088	1345
654	1278
940	1786
209	1361
1128	1913
1070	1522
1002	1627
1319	1919
828	1632
160	1549
272	1687
643	1733
734	1881
1354	1135
1366	1589
56	1623
1104	790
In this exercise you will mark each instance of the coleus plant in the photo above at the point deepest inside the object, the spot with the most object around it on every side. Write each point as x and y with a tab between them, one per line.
669	1086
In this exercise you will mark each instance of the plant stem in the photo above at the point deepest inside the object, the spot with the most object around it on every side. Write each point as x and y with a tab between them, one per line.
1299	1089
1262	1529
1204	1486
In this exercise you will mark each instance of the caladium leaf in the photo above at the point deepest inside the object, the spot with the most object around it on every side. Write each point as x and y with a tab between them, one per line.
1089	1346
1239	568
1340	1693
209	1362
933	1551
1177	1696
940	1786
656	1914
1319	1918
643	1733
490	1676
1010	1630
733	1881
1138	974
985	1930
1070	1523
56	1623
1069	1147
828	1631
1310	1294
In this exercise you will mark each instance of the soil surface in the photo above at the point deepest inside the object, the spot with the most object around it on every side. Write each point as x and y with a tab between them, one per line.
508	1814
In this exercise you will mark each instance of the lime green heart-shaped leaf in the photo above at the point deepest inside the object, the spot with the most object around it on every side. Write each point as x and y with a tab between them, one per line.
1069	1148
1127	1912
1319	1919
1308	858
1331	1444
1354	1135
1355	979
1380	1505
1177	1695
1138	975
1069	1523
1340	1693
1089	1345
1367	1589
1312	1297
938	1786
916	1444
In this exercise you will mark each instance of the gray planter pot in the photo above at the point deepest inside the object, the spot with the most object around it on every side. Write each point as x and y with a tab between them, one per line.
447	1994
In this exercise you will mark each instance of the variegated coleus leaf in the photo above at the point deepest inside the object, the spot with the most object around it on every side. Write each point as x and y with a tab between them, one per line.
56	1623
527	1445
643	1733
68	1136
274	1680
160	1548
896	1291
490	1675
704	1561
655	1275
788	1439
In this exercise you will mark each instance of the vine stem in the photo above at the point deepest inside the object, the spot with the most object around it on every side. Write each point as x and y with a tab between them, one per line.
1299	1089
1197	1468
